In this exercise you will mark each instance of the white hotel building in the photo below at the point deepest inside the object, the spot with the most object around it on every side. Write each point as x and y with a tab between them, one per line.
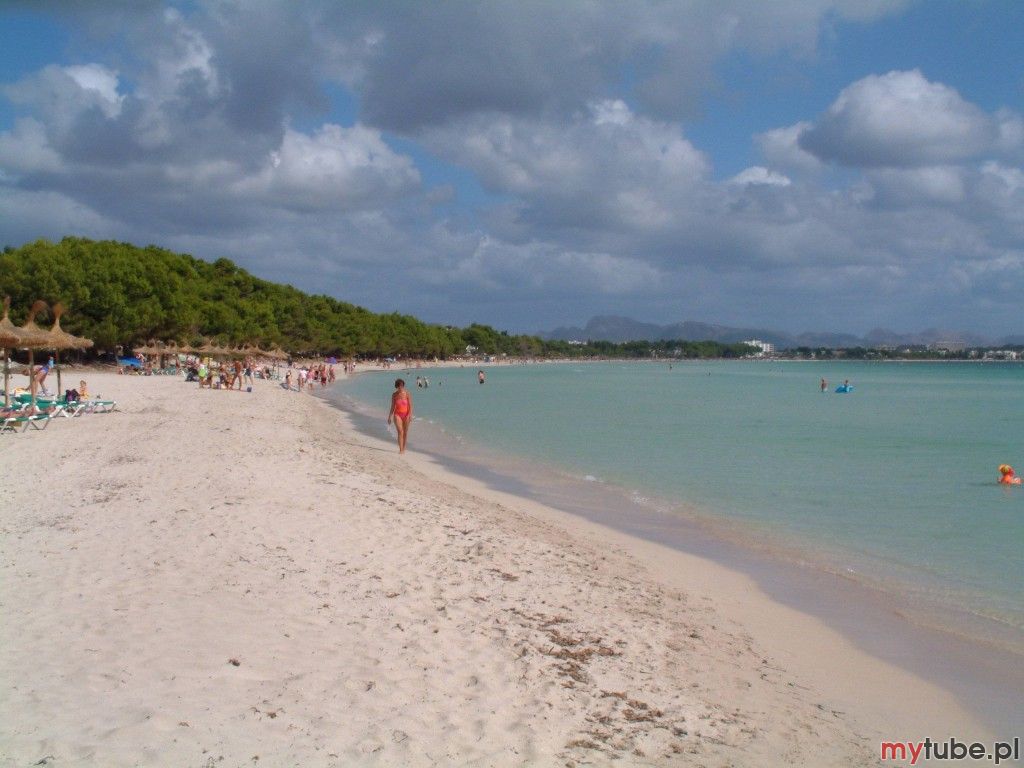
764	346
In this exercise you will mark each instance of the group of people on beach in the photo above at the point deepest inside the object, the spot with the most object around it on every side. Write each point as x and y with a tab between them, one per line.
238	372
310	376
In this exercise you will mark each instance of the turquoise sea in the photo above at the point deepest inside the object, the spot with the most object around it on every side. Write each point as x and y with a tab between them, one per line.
892	485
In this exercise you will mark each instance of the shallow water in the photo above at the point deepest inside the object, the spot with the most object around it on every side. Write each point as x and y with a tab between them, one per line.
892	484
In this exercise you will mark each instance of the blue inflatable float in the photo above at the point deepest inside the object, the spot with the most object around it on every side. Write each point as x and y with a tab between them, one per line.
844	388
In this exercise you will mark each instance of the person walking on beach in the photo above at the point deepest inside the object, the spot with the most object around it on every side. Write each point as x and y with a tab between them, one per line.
401	413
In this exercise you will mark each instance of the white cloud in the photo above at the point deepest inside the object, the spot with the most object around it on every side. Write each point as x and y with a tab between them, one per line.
334	168
901	120
604	168
100	80
781	148
759	175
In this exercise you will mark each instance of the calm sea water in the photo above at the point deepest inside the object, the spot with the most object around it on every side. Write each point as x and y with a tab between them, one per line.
893	484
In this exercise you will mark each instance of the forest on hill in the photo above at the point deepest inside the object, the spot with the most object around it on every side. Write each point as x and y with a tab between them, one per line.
121	294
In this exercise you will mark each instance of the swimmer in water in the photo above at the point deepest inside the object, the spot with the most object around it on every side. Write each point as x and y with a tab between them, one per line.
401	412
1007	476
824	385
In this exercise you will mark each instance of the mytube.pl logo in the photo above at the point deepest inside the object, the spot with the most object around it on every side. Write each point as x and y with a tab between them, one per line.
911	752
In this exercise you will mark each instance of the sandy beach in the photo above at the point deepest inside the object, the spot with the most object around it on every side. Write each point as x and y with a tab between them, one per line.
206	578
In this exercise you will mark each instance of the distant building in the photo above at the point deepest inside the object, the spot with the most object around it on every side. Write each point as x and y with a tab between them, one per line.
765	347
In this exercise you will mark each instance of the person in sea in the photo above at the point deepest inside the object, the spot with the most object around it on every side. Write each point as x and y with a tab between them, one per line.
481	377
1007	476
824	385
401	412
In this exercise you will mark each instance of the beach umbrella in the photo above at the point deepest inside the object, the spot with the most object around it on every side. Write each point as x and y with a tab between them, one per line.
206	349
149	348
33	337
10	338
64	340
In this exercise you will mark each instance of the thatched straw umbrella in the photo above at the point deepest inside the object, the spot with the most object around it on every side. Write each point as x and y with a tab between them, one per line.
10	338
212	350
33	338
145	349
63	339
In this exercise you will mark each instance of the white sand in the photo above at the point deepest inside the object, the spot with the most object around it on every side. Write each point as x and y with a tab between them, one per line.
226	579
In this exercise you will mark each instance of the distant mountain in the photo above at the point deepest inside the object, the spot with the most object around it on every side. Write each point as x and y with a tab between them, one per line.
618	329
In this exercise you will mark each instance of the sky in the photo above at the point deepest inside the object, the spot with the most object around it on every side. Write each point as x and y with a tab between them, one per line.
799	165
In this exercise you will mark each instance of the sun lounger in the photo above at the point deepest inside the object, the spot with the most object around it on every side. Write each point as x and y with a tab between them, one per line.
11	423
75	408
72	409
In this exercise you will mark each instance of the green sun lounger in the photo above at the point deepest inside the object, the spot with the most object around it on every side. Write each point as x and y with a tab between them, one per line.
74	408
12	423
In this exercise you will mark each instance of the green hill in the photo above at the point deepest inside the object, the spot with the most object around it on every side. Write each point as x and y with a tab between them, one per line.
117	293
120	294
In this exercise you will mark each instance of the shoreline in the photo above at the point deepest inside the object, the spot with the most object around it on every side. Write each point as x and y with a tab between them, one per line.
212	578
982	672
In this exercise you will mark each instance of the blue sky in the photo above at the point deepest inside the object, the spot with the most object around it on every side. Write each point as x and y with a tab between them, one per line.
799	165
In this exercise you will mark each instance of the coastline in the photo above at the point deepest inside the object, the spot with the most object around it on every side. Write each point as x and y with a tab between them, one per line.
382	611
982	671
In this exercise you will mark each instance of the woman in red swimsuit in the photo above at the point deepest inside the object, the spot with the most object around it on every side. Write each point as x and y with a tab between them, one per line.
401	412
